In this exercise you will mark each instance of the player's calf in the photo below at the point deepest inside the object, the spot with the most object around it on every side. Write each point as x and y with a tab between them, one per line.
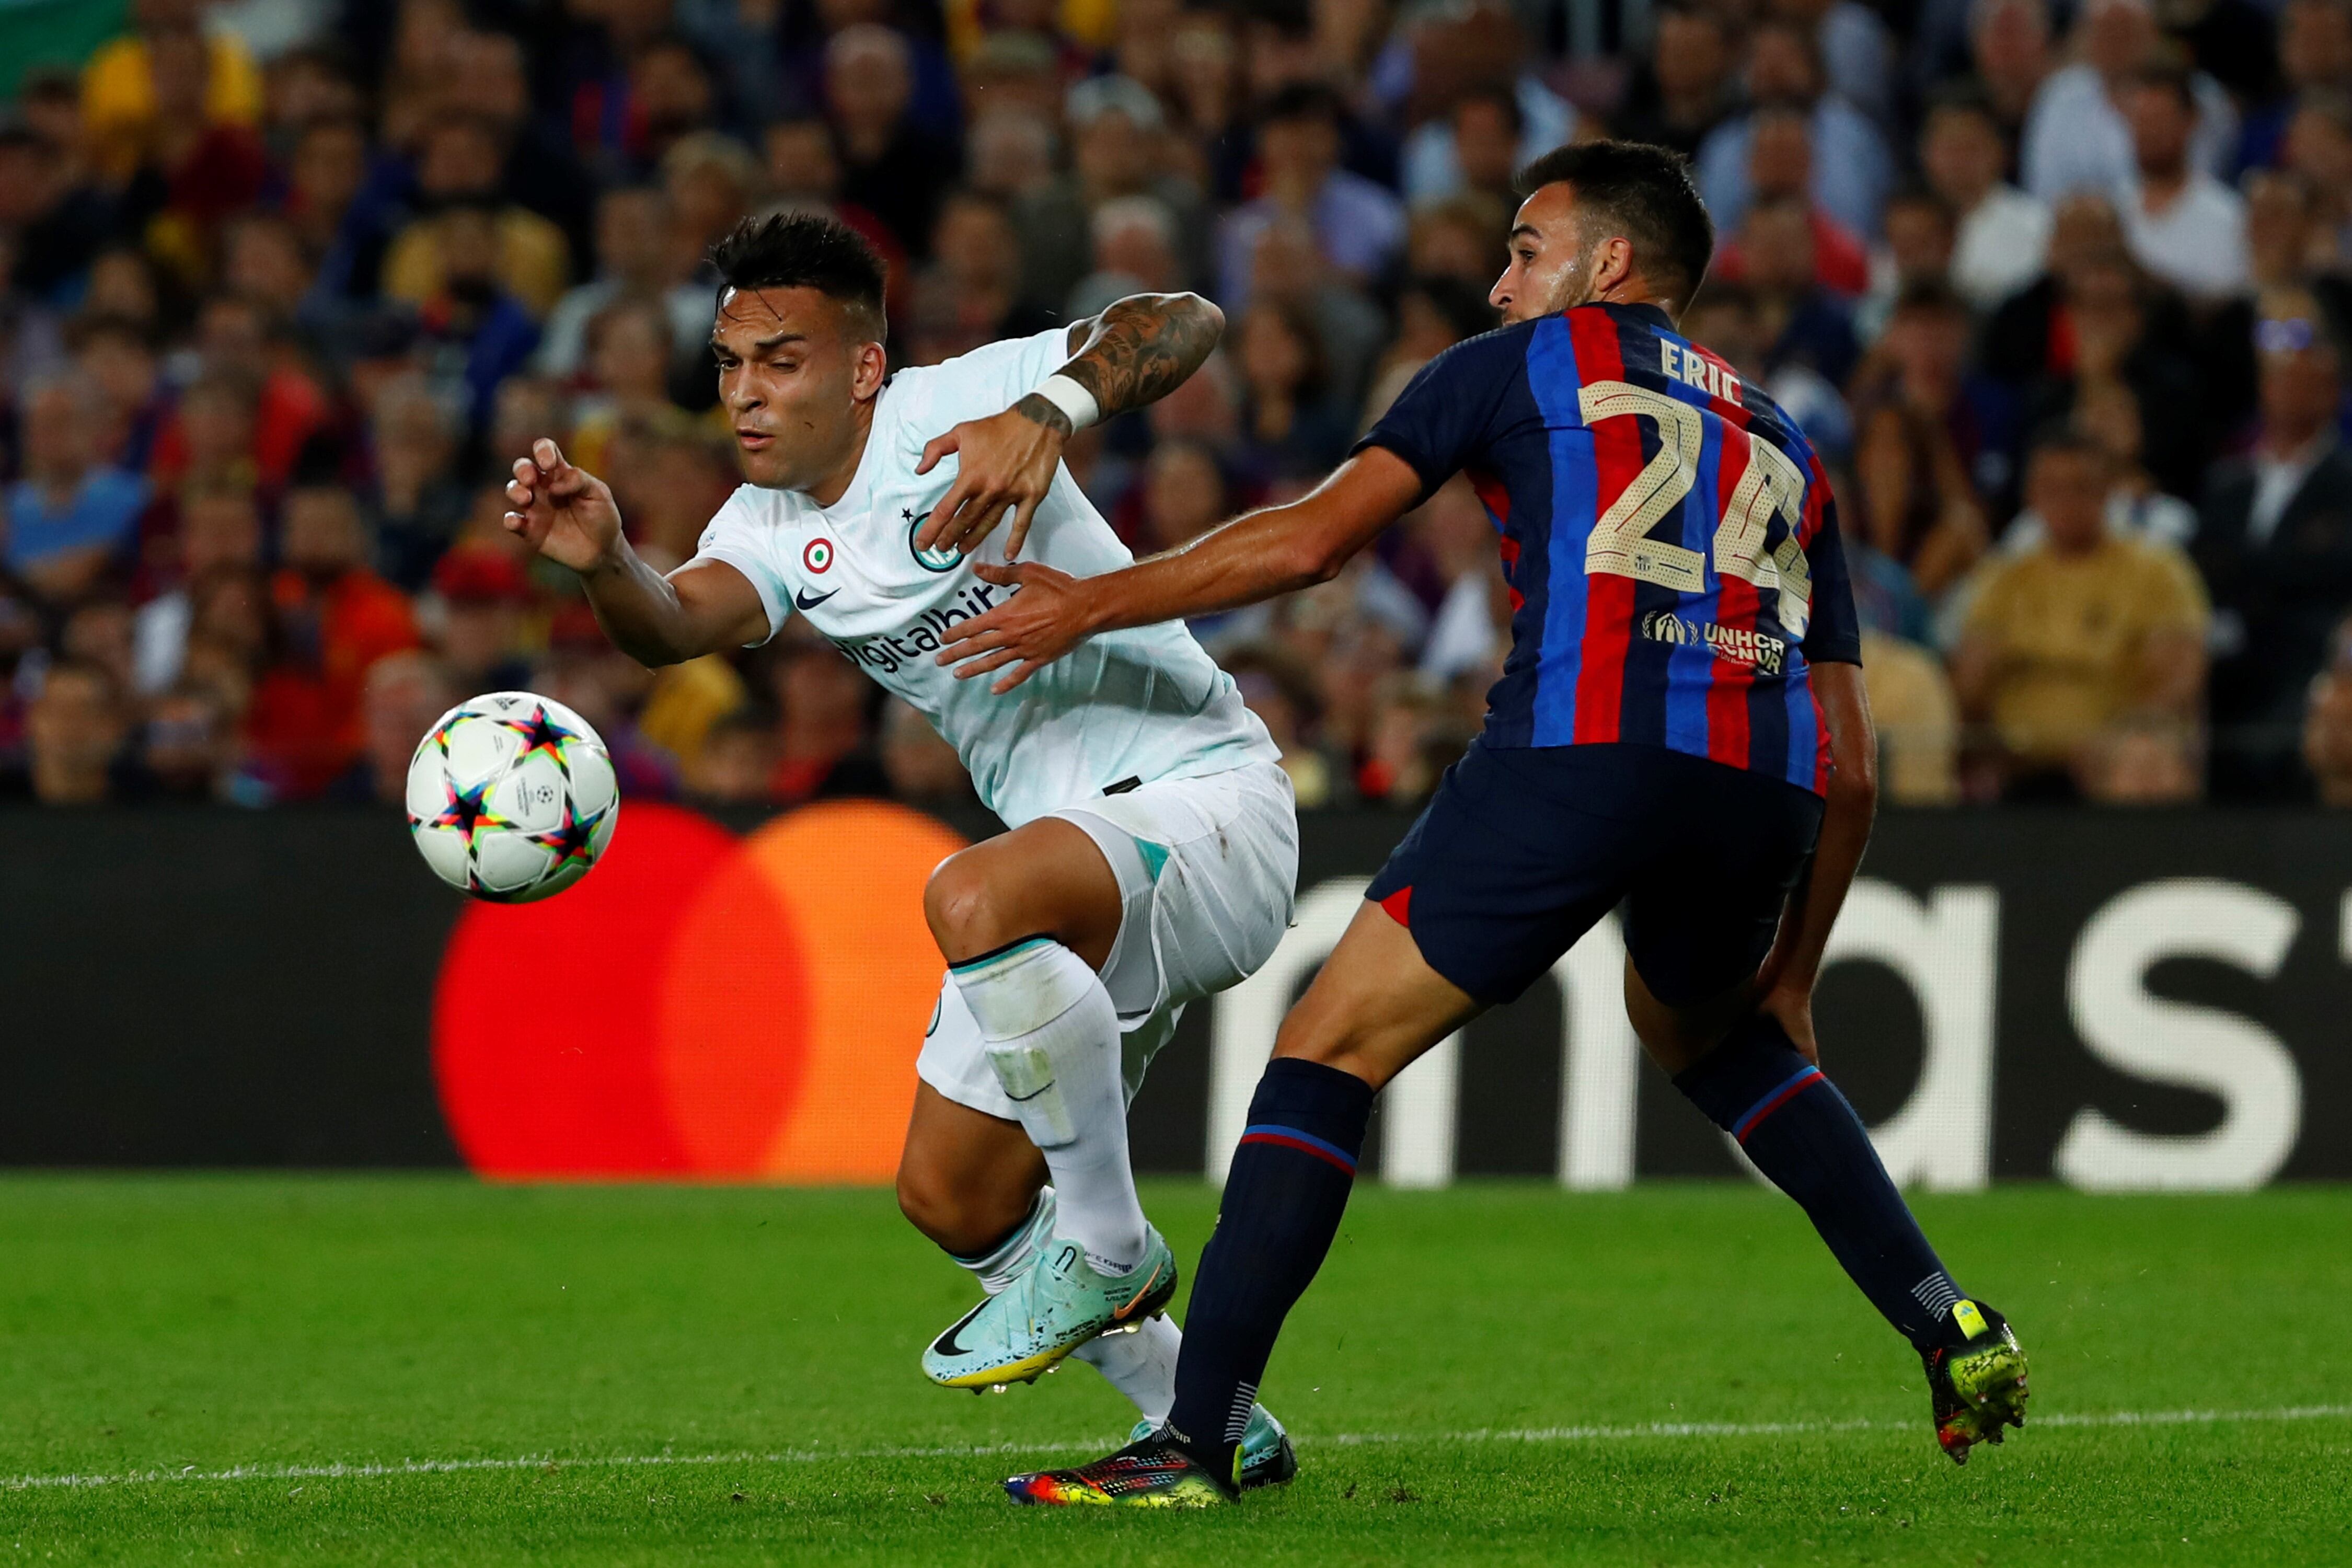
1801	1134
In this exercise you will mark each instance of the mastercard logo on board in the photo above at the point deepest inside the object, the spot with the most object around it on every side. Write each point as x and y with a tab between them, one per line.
704	1008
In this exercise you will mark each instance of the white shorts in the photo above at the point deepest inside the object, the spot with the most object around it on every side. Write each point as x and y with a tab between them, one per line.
1208	868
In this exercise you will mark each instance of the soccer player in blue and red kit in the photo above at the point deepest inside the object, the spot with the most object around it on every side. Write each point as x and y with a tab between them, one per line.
1680	728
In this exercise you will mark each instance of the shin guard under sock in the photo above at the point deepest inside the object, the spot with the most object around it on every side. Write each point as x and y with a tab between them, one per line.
1801	1134
1284	1196
1053	1039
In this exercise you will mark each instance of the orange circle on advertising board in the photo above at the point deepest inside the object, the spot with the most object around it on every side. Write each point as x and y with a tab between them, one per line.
702	1007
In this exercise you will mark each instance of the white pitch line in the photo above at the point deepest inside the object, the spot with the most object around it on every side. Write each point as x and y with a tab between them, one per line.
1082	1445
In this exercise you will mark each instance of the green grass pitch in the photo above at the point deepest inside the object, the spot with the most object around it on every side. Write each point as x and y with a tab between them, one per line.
1501	1372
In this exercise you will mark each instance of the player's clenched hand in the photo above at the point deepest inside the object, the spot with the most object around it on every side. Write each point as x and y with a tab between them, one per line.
1791	1006
1045	620
1006	462
567	513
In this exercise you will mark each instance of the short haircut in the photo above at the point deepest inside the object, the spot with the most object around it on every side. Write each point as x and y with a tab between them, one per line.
805	250
1646	193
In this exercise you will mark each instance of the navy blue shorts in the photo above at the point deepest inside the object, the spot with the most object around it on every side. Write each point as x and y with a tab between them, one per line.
1523	849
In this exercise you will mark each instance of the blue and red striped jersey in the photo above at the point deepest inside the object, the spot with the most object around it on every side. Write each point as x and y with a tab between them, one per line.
1667	533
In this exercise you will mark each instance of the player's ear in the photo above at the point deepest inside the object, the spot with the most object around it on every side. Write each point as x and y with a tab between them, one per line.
1613	266
873	364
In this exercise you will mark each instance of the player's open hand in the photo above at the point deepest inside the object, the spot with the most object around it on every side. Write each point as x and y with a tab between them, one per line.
1005	463
1045	620
566	512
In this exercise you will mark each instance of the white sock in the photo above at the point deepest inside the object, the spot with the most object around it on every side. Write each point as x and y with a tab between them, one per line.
1052	1038
1142	1365
1002	1264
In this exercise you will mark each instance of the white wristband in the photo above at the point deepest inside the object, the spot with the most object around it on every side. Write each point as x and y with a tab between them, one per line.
1072	399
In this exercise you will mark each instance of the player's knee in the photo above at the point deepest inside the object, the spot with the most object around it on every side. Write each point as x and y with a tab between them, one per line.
1348	1052
962	908
963	1221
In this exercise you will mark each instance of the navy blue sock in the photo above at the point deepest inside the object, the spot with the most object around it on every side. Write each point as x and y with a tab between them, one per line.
1801	1132
1284	1197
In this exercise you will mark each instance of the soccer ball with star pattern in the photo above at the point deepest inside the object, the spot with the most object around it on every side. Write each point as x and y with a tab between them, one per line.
512	797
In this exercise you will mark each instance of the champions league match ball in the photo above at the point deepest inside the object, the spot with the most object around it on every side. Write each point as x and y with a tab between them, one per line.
512	797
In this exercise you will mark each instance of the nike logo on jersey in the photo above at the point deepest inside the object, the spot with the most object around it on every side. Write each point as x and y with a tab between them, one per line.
805	601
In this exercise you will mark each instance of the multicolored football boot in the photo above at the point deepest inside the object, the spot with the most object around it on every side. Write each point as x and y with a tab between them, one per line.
1156	1472
1267	1459
1976	1386
1056	1306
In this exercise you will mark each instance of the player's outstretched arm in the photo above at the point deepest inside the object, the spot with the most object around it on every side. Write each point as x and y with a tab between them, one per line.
1255	556
567	515
1851	801
1137	351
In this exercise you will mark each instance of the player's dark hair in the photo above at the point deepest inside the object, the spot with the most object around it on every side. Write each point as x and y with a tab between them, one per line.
804	251
1644	193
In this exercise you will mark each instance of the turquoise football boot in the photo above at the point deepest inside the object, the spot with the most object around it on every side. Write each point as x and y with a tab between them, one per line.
1056	1306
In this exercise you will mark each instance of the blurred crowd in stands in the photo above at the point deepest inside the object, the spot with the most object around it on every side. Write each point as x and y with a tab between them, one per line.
2062	295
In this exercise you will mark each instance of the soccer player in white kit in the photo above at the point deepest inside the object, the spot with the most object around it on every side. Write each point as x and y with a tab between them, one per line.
1153	851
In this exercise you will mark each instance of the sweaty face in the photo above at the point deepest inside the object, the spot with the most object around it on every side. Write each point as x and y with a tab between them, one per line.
1552	266
793	370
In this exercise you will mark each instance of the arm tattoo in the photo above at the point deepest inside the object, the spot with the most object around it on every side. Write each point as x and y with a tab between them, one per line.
1042	411
1138	350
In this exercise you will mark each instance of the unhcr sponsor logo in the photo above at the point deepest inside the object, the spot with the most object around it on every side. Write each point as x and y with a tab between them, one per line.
1760	651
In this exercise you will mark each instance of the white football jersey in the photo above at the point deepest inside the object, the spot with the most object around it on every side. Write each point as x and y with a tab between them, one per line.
1146	703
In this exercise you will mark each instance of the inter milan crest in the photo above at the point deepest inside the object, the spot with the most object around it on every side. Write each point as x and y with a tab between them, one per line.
945	558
